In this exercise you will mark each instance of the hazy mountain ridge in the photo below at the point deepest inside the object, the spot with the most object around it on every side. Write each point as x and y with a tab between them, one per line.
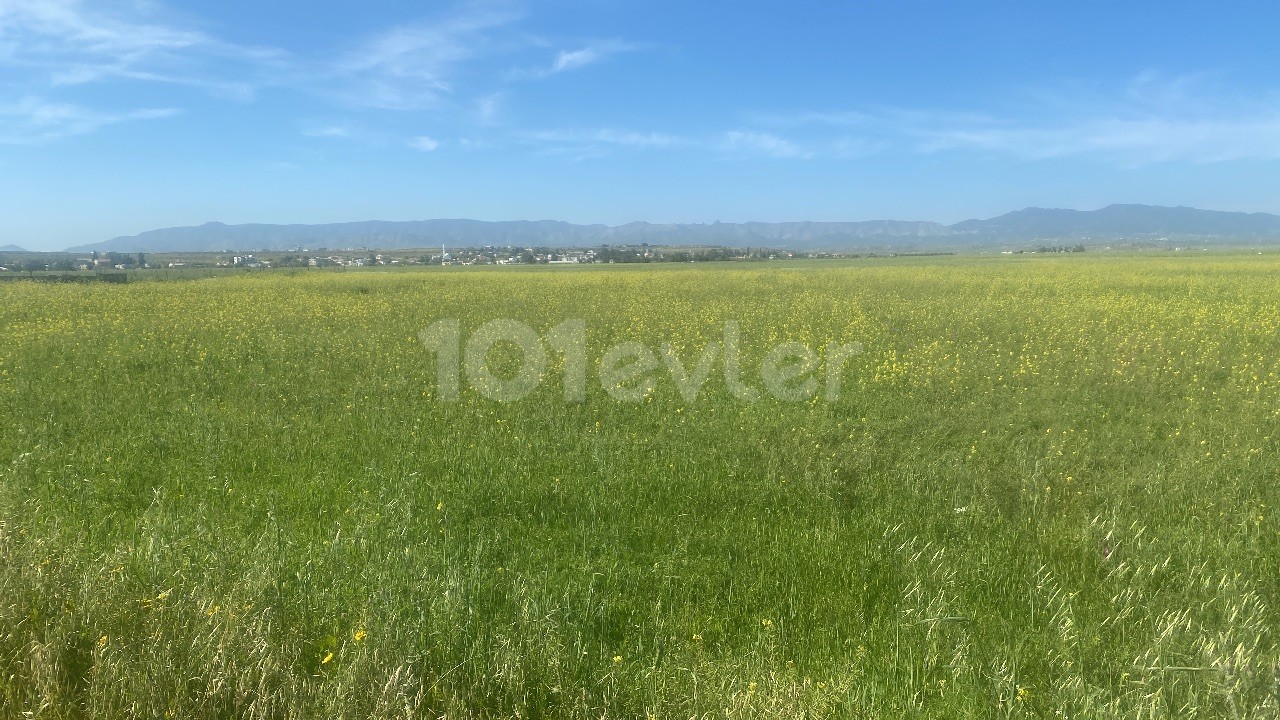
11	248
1029	224
1123	221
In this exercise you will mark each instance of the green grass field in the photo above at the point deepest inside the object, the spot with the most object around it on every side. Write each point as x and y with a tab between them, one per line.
1046	489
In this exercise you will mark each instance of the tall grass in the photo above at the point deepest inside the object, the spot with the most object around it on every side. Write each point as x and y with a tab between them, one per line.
1046	490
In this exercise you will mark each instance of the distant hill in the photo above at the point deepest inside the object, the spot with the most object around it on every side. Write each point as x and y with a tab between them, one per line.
1027	225
11	248
1123	221
214	236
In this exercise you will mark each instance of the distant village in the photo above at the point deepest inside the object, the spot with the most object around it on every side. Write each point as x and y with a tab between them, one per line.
68	265
510	255
349	258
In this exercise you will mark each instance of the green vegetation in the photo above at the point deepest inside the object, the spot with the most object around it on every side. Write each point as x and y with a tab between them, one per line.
1047	489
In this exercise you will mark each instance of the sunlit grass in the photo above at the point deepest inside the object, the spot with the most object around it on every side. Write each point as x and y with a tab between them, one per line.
1046	488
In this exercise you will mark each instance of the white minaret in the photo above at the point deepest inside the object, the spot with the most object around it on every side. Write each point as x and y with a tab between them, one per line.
441	254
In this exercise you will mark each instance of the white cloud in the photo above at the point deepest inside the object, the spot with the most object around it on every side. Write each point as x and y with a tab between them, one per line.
61	45
763	143
1127	141
33	121
488	108
444	63
1150	119
844	118
574	59
152	114
594	141
1153	119
584	144
601	142
845	147
568	60
424	143
410	66
465	143
327	131
635	139
71	42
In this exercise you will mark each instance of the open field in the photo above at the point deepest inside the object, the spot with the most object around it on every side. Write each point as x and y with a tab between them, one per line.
1047	488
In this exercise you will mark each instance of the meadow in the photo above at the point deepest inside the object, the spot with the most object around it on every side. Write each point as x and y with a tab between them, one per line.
1046	489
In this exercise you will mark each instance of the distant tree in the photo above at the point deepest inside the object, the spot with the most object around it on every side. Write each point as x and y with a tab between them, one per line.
116	258
64	265
142	260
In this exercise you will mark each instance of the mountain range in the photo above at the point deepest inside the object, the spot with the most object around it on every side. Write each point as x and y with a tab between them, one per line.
1114	222
11	248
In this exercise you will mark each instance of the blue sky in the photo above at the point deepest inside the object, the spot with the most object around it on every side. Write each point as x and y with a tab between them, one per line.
119	117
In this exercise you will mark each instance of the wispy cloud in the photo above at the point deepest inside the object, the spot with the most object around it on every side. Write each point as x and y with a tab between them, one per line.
1154	119
454	63
33	121
742	142
1149	119
600	142
590	54
606	136
327	131
411	66
55	47
424	143
71	42
576	58
488	108
844	118
763	143
1125	141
